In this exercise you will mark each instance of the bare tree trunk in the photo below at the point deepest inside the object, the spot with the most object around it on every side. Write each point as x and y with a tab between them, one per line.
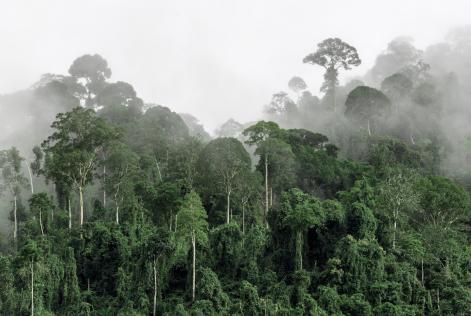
243	219
117	213
266	189
70	214
271	196
193	287
438	299
15	229
41	223
176	221
81	205
228	209
334	97
299	249
30	177
116	206
422	270
32	288
158	168
104	190
154	310
369	129
394	230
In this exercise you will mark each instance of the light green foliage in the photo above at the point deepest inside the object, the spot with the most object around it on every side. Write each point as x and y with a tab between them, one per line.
301	212
192	219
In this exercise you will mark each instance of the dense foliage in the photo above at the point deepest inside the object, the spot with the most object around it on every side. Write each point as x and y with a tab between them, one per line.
138	214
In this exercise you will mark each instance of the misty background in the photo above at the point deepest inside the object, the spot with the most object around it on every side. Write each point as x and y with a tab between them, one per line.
219	64
215	59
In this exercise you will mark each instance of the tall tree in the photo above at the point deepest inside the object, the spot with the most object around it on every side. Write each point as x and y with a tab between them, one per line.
256	135
222	162
366	106
156	246
301	211
119	103
297	85
333	54
13	179
123	167
193	227
397	197
41	205
93	70
72	151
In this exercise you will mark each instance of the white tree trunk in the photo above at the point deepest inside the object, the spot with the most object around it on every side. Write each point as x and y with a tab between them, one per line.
228	209
41	222
32	288
70	214
104	190
394	230
193	287
117	213
81	205
176	222
369	129
243	219
154	310
266	189
422	270
30	178
334	97
15	229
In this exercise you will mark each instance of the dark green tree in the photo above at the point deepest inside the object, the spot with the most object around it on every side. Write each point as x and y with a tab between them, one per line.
333	54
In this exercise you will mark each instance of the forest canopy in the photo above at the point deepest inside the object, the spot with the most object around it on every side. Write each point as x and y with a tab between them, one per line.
352	202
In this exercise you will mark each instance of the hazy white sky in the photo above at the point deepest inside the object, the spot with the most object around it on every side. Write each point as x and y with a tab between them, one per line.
215	59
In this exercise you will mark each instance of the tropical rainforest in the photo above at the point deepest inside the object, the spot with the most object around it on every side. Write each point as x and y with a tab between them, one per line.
353	202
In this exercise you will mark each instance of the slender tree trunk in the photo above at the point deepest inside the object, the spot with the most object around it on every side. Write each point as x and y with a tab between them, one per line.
299	249
271	196
243	219
154	310
70	213
176	221
394	230
228	209
193	287
422	270
41	223
369	129
334	97
15	229
32	288
104	190
438	299
158	168
116	206
81	205
266	189
30	178
117	213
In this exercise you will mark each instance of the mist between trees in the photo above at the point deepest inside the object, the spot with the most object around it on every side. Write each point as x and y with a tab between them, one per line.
336	200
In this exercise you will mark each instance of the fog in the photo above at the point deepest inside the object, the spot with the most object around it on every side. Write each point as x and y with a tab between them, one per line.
213	59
